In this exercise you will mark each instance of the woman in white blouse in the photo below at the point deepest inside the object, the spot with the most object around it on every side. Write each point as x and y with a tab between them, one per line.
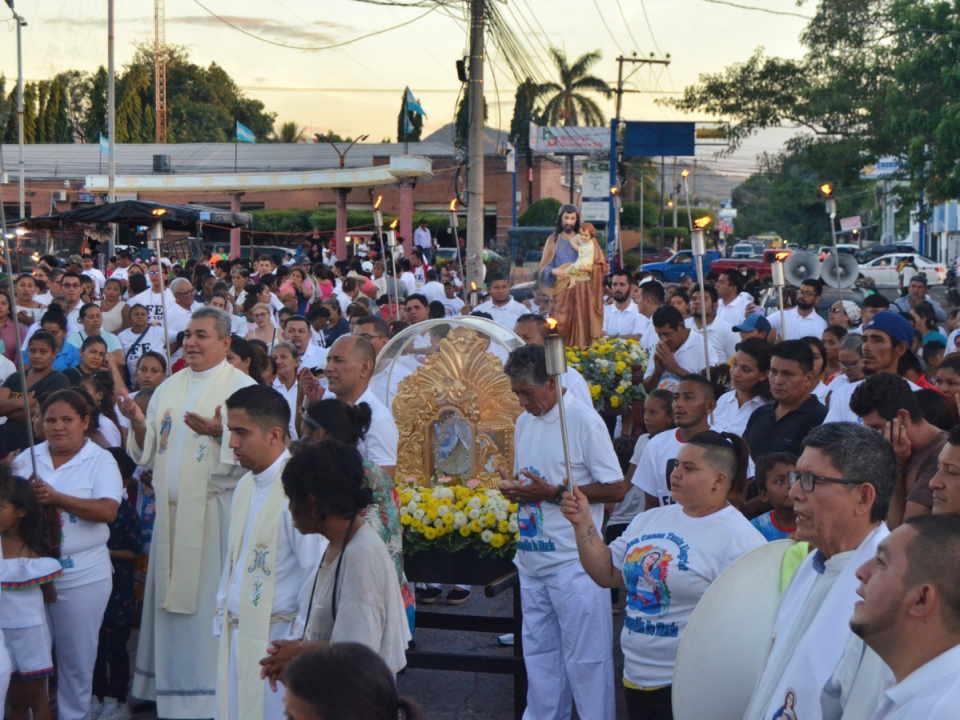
749	369
82	481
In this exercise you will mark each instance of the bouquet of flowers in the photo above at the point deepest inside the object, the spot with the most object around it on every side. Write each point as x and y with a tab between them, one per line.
454	517
608	366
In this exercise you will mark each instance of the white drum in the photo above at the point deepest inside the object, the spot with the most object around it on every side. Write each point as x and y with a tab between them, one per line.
727	638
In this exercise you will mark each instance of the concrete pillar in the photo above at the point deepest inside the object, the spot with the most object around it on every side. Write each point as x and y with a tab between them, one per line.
235	232
406	215
341	233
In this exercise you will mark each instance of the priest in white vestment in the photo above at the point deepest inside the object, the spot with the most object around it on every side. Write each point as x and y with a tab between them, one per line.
815	666
184	440
268	561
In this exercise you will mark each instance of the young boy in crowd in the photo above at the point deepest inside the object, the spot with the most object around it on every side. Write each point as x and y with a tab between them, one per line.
771	477
933	353
111	675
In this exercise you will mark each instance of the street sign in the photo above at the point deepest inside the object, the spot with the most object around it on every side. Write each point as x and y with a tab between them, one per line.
656	139
727	213
596	186
850	223
594	211
884	168
569	140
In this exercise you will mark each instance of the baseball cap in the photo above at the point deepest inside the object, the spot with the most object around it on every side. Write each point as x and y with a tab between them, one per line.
753	322
896	326
74	260
367	266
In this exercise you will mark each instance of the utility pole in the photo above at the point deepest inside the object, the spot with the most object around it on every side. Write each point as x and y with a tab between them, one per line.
112	129
676	192
20	23
614	153
475	209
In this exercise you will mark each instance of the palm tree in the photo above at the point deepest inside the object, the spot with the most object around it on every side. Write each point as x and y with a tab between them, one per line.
290	132
568	105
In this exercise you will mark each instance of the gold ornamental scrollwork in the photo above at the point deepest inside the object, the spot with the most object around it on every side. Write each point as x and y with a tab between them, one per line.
460	390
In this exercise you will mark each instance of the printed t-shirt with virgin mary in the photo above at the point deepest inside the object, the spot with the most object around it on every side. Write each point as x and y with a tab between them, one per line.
668	560
547	542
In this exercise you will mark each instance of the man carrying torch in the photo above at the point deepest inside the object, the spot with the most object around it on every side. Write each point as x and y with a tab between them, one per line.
567	626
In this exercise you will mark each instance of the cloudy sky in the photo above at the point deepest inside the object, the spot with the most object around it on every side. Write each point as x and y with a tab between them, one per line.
356	88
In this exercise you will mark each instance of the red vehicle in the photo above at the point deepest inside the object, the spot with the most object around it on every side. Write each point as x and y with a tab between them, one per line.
762	266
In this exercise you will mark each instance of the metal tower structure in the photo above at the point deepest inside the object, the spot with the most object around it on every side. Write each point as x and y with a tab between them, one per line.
160	70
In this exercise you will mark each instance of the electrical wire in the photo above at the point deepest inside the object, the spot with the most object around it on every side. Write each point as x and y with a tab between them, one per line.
759	9
604	21
325	47
646	18
636	45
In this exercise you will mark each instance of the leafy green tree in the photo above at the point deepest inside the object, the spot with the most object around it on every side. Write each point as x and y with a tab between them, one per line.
95	119
290	132
542	213
462	123
524	112
568	103
30	113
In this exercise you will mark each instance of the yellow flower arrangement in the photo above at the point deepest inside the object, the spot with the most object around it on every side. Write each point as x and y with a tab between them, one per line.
454	517
607	365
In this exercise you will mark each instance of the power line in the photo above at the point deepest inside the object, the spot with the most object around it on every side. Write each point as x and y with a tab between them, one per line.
627	26
604	21
646	17
759	9
325	47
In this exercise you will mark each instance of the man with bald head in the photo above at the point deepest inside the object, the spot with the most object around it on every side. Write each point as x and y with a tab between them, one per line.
533	330
349	369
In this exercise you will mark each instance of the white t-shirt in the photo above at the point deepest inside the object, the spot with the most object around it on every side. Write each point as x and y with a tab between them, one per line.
314	356
723	340
840	403
689	356
798	327
133	350
98	278
729	416
505	315
380	444
572	381
628	321
655	463
153	303
453	305
547	542
951	341
669	560
735	312
92	474
433	290
633	502
290	395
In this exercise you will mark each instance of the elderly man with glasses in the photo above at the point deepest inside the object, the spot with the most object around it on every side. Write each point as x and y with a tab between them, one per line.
841	490
178	313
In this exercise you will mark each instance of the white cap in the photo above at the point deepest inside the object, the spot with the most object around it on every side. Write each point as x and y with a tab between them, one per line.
367	266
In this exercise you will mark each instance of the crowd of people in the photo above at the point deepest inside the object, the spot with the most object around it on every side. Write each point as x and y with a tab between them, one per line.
214	459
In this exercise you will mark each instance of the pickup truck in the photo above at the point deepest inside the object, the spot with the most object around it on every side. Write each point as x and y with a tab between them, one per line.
761	265
683	263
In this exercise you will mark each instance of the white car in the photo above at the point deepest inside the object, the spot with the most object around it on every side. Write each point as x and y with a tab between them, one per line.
884	270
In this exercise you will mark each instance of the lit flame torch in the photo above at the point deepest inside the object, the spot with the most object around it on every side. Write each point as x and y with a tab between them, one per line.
555	354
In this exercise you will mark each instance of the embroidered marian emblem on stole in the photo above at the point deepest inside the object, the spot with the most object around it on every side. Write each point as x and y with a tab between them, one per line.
165	428
260	553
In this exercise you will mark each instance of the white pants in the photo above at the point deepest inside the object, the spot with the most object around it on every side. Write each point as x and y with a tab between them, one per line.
567	646
4	672
75	620
274	706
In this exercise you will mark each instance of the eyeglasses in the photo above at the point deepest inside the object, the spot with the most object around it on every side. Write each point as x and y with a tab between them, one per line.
260	316
850	364
808	481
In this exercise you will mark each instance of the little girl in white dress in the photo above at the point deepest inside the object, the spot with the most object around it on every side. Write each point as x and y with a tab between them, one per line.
26	579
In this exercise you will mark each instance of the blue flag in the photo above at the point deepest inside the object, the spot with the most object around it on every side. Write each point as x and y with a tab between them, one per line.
245	134
412	104
407	126
104	145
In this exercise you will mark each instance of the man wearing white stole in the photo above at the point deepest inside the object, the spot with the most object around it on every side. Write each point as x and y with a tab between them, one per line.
183	438
816	668
267	562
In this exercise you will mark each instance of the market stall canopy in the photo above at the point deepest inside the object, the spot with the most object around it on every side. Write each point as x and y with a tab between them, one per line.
138	212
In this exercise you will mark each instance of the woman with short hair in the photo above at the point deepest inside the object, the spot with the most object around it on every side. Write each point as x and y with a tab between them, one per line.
667	559
116	313
82	481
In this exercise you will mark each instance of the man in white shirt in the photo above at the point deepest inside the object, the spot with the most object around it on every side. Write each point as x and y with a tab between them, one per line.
501	306
296	330
678	353
121	272
733	301
90	270
151	298
723	340
72	291
841	491
622	317
567	625
432	290
424	240
178	314
802	320
887	337
418	267
910	616
649	296
533	330
263	539
349	369
451	302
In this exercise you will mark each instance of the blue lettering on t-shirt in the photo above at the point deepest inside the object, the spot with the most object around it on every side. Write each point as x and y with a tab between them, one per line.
536	546
684	549
645	627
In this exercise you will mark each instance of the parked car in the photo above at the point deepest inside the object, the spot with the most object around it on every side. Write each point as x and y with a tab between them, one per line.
884	270
742	251
680	264
761	264
651	253
824	250
875	251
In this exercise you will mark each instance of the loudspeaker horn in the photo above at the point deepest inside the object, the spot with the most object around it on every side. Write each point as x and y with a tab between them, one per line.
840	270
801	266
